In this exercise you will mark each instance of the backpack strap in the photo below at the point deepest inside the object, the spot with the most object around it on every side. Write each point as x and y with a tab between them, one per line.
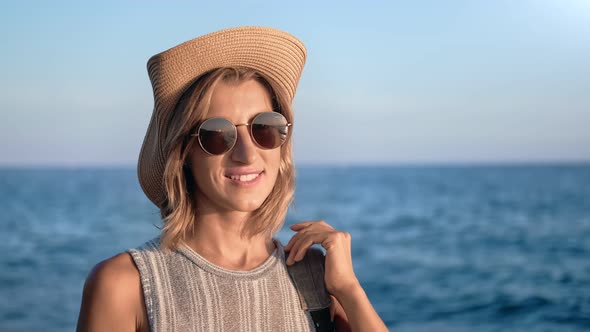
308	278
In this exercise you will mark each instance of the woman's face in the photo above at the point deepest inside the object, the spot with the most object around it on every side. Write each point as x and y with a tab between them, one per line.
225	181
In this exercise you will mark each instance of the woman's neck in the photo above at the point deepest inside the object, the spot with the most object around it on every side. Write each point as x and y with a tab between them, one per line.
217	237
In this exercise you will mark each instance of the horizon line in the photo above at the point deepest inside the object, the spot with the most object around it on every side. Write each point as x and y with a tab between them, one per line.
433	163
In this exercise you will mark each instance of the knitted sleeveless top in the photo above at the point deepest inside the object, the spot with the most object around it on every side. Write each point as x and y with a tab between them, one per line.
185	292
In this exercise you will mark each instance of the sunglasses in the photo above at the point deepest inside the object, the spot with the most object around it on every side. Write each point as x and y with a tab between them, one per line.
268	130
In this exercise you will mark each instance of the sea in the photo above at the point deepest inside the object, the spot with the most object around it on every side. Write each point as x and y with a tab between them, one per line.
495	247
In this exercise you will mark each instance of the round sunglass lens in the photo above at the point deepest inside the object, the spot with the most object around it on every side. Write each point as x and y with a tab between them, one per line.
269	130
217	135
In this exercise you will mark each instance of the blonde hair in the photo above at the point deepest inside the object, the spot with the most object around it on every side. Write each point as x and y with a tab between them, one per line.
179	209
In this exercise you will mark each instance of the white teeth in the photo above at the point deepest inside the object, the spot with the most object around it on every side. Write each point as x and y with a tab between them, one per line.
248	177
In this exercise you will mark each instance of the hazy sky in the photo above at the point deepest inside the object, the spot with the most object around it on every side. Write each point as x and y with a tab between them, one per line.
385	81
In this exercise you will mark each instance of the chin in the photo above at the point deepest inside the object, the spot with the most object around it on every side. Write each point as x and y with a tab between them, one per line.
247	206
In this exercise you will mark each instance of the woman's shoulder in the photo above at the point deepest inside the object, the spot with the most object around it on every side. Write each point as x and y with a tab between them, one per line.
112	296
119	269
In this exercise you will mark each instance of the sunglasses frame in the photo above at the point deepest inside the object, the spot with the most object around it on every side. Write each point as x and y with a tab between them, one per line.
235	126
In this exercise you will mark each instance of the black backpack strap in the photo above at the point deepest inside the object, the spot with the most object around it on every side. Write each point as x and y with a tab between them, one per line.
308	278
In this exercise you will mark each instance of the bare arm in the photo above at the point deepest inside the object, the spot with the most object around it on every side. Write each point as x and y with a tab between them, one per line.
112	297
359	314
339	316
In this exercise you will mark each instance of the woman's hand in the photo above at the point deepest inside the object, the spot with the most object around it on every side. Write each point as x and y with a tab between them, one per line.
340	279
339	274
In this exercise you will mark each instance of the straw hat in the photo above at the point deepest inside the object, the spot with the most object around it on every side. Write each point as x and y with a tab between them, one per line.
275	53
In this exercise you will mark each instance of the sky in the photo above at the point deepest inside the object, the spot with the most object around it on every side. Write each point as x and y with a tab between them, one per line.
386	82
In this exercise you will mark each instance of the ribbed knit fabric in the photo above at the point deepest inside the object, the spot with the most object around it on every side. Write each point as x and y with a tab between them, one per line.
185	292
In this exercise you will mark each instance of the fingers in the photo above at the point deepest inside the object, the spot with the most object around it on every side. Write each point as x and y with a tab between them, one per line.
297	227
293	243
300	229
301	225
308	233
298	245
299	249
304	224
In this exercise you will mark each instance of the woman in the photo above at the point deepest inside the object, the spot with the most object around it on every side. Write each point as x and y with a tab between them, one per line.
217	161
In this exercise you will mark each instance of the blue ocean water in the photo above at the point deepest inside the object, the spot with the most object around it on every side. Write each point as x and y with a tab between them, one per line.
437	248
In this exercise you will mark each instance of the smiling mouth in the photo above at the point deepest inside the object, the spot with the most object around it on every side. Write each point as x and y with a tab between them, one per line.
244	178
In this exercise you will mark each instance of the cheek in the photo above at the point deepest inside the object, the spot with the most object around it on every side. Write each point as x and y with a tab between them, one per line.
203	171
273	164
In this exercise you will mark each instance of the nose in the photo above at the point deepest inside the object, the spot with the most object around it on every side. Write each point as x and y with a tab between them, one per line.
245	150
